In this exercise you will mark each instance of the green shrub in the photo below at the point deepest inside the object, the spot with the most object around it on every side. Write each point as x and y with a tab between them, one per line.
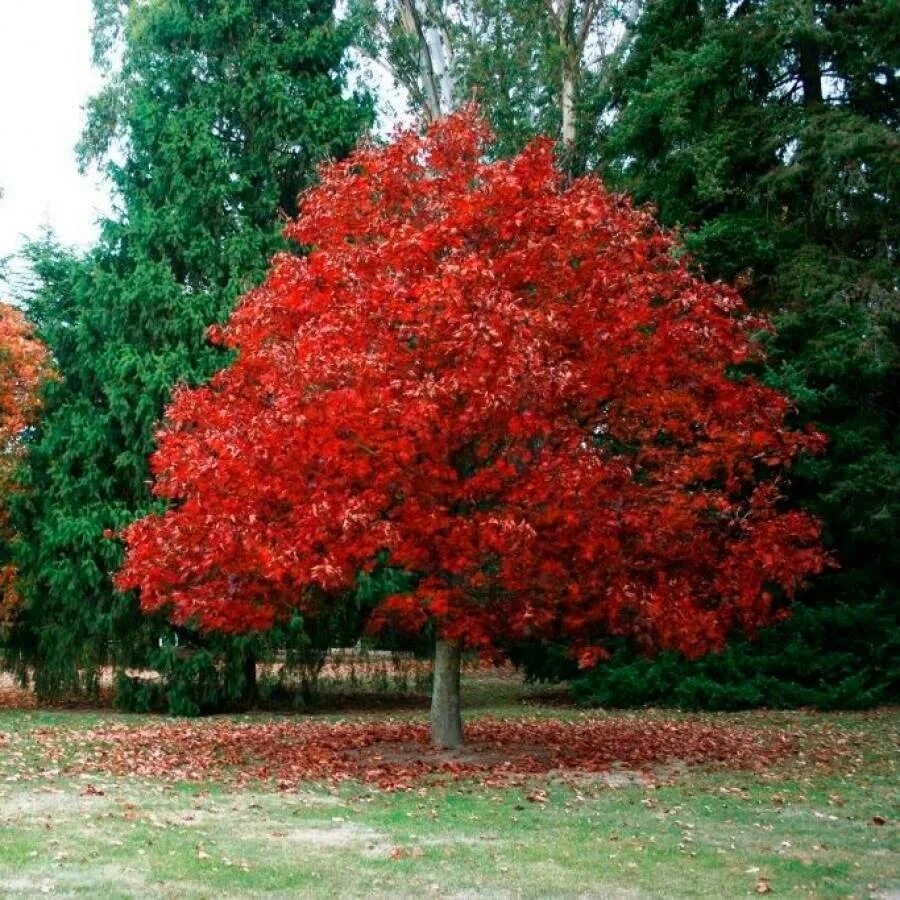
830	657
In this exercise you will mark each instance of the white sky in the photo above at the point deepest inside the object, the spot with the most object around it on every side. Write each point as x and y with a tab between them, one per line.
45	79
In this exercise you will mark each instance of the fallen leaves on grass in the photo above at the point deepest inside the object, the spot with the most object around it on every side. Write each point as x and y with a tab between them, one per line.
406	853
91	791
397	755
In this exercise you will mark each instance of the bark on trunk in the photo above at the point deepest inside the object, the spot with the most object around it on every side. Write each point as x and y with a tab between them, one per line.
809	57
567	102
250	682
446	721
411	23
810	72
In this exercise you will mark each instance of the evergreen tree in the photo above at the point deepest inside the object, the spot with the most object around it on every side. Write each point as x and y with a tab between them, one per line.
767	133
213	118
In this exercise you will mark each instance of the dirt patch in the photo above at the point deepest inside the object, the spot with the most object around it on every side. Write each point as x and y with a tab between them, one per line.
48	803
68	881
331	837
480	754
13	695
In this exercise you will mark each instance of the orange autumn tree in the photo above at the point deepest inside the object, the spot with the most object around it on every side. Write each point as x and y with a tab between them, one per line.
503	383
23	367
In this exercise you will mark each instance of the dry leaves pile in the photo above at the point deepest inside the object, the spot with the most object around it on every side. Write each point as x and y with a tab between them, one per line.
397	755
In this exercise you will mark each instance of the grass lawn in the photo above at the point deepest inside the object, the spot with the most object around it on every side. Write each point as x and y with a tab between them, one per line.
822	822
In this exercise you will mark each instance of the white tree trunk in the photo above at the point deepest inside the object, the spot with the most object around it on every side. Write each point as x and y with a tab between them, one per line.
567	102
436	80
442	66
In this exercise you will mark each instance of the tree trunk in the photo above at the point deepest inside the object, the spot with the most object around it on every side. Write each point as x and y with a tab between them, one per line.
567	100
446	722
250	683
569	132
809	56
810	72
441	53
411	23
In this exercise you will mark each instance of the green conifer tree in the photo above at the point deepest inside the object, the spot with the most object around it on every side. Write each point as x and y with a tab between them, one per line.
767	133
212	119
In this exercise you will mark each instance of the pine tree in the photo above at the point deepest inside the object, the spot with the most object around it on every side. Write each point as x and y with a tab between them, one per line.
213	118
767	134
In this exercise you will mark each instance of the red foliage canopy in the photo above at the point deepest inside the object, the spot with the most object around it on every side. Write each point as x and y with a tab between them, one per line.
507	384
23	365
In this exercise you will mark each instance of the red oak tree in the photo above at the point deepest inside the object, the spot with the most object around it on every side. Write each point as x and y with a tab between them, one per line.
23	366
510	386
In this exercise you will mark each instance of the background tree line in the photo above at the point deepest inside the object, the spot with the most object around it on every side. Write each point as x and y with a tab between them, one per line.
764	132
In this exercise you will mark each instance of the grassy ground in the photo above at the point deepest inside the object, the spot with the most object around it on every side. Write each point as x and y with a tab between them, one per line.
791	830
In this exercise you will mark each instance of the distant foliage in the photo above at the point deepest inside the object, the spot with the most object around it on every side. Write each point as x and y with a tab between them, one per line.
24	366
